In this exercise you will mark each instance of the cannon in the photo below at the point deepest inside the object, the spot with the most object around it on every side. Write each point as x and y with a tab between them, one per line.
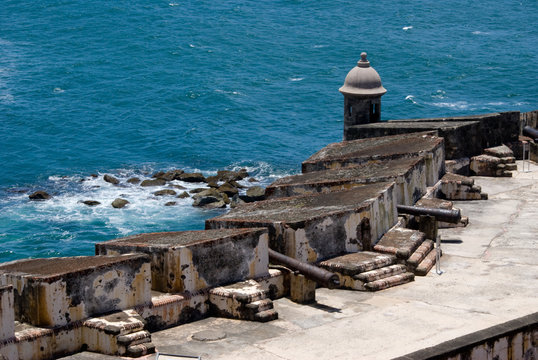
321	276
451	216
530	132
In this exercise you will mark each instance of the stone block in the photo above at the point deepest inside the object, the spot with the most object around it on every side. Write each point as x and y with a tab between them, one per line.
356	152
59	291
8	349
409	174
484	165
314	227
500	151
196	260
302	290
458	187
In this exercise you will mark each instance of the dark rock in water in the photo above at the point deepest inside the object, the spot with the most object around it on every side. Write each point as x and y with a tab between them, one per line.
243	173
134	180
236	201
183	195
215	205
170	203
192	177
153	182
210	199
165	192
178	187
228	189
227	175
169	175
39	195
252	180
212	179
213	184
236	184
158	175
255	193
111	179
119	203
94	175
91	202
198	190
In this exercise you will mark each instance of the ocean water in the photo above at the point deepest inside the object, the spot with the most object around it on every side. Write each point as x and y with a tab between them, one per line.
128	88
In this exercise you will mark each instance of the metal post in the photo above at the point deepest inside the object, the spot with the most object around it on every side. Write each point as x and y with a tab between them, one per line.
438	255
526	159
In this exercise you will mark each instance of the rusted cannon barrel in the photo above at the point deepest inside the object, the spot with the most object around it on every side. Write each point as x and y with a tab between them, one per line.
530	132
451	216
321	276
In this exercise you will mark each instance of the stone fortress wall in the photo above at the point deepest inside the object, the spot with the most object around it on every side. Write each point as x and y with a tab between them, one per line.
342	215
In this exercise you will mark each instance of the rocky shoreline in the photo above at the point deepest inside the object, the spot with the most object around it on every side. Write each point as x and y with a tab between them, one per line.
215	192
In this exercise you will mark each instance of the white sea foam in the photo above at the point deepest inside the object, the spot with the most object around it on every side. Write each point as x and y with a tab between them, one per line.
405	28
439	94
456	105
410	98
480	33
296	79
58	90
320	46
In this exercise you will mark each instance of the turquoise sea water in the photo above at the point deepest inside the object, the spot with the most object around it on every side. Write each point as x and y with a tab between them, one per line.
132	87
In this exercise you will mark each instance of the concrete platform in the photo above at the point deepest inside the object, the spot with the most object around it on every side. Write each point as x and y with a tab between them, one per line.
489	277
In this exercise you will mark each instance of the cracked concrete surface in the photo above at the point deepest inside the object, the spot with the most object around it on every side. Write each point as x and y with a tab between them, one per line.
490	273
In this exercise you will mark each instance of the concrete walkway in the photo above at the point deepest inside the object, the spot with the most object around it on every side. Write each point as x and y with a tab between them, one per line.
490	276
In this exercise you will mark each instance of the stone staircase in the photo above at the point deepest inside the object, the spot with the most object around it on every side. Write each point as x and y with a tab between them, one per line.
368	271
120	333
410	247
496	161
245	300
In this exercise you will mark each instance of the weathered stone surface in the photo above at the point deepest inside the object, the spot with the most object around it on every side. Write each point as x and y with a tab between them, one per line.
465	136
409	175
300	226
356	263
458	166
153	182
170	203
111	179
211	199
195	260
91	202
39	195
400	242
356	152
192	177
487	165
458	187
58	291
198	190
119	203
165	192
499	151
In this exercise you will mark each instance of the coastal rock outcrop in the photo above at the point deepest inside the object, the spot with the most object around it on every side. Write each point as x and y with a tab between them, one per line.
91	202
111	179
192	177
119	203
255	193
39	195
165	192
153	182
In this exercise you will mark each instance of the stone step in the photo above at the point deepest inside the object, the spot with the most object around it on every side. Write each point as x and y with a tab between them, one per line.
356	263
420	253
425	265
400	242
134	338
390	281
260	305
140	350
266	315
381	273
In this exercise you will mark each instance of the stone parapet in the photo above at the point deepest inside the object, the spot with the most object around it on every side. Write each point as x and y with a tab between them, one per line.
409	175
58	291
314	227
197	260
363	151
